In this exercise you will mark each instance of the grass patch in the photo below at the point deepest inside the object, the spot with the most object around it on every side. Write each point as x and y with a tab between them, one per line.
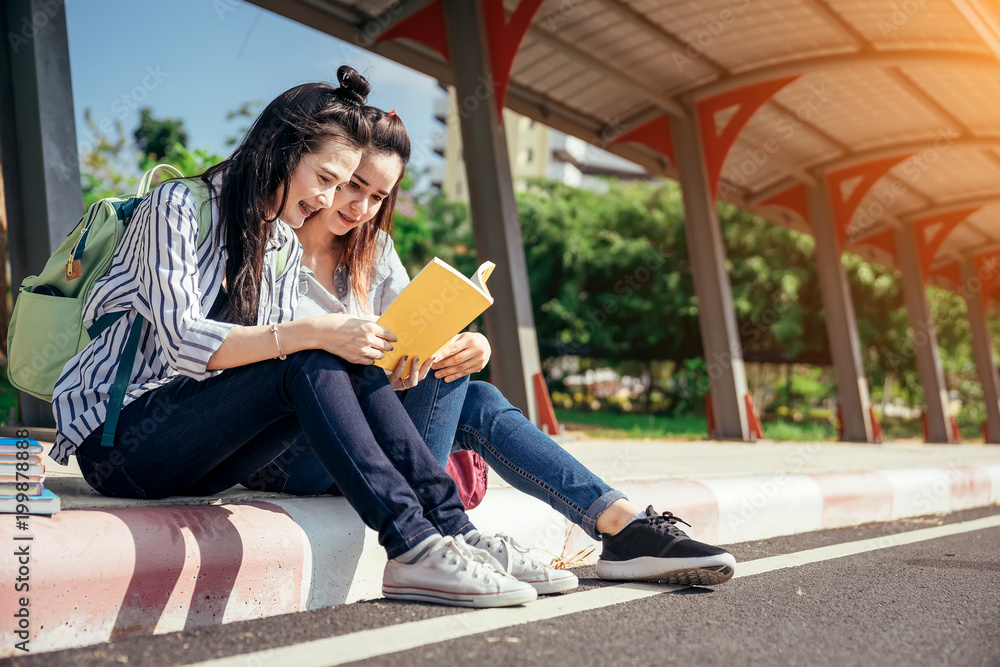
614	425
808	432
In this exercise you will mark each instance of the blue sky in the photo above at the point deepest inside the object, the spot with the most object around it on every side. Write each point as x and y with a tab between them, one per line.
198	59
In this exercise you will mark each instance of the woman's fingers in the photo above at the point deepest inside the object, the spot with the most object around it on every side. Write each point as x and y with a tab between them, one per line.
453	373
425	368
382	332
413	378
460	357
397	374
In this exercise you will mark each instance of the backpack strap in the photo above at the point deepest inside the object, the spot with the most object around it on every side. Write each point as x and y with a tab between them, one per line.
281	259
203	203
146	182
126	364
125	367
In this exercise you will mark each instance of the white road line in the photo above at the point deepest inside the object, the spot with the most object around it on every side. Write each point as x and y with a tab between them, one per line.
391	639
861	546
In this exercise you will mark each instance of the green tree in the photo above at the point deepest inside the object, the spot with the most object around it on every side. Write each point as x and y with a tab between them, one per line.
157	138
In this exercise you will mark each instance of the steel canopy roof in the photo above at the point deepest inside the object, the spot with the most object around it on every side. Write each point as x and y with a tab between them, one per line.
917	81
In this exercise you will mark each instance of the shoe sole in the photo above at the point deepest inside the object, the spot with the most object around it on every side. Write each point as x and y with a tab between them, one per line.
474	600
708	571
560	585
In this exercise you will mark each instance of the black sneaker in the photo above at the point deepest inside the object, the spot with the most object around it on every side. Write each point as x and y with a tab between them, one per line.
654	548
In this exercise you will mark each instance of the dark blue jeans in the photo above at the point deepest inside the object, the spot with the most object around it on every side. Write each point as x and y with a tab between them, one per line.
472	416
201	437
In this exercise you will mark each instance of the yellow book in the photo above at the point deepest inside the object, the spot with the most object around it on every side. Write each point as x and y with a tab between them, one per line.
437	304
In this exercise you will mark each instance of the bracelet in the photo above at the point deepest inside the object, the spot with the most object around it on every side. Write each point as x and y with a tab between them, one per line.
274	330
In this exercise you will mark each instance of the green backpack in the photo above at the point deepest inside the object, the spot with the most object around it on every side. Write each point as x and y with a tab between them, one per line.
46	327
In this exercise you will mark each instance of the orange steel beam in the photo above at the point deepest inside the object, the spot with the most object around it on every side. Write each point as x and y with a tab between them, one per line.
884	240
928	247
655	134
426	26
923	149
716	141
845	204
505	38
792	199
949	272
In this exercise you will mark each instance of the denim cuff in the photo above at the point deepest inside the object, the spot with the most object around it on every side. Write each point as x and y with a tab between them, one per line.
589	524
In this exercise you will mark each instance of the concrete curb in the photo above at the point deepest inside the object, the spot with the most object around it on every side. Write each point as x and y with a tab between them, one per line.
104	574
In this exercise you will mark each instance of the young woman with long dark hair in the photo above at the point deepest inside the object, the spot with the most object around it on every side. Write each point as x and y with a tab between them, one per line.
224	380
350	266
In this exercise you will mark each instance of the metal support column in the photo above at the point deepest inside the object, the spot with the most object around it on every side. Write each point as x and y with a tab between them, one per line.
982	348
723	352
841	327
925	346
497	228
37	144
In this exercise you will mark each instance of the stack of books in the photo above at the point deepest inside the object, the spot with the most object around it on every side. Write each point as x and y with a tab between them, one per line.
22	478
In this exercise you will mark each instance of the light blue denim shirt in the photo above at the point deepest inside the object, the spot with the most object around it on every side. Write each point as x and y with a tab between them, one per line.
389	280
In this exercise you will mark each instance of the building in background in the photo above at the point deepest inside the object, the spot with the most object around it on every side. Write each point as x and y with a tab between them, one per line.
536	151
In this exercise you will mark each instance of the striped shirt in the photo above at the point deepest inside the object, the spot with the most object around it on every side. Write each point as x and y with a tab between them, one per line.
160	272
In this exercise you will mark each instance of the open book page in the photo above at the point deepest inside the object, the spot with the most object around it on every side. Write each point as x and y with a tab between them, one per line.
437	304
482	275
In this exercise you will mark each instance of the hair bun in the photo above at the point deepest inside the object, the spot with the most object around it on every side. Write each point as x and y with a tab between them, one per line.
354	88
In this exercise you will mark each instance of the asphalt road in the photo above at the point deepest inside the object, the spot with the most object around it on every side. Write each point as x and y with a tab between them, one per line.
932	602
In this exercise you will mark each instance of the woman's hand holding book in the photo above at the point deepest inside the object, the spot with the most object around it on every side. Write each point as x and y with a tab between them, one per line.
357	340
465	354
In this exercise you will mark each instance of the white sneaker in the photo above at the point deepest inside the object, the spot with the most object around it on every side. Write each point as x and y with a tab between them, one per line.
518	562
451	574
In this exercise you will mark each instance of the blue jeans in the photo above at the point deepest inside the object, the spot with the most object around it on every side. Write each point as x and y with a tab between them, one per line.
201	437
473	416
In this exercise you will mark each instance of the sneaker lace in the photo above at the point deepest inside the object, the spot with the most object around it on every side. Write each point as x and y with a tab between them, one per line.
667	522
461	553
508	542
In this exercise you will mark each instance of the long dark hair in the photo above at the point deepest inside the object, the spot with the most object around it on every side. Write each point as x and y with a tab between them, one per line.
361	250
255	177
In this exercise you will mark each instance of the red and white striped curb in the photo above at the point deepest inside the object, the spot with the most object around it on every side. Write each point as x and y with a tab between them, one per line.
96	575
730	510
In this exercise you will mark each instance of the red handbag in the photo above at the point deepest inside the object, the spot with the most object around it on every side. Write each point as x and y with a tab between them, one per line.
469	471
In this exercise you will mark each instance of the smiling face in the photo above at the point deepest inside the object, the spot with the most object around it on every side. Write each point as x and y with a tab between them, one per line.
359	200
314	182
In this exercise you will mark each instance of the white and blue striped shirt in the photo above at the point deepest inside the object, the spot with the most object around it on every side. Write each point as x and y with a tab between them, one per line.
160	272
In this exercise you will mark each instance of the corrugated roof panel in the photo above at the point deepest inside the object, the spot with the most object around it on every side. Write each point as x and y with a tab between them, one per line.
864	109
738	33
779	133
786	31
543	63
910	24
562	79
613	39
592	25
606	103
970	93
558	14
954	173
585	83
746	167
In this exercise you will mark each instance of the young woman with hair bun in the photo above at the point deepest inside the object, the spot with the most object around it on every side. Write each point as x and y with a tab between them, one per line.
225	380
